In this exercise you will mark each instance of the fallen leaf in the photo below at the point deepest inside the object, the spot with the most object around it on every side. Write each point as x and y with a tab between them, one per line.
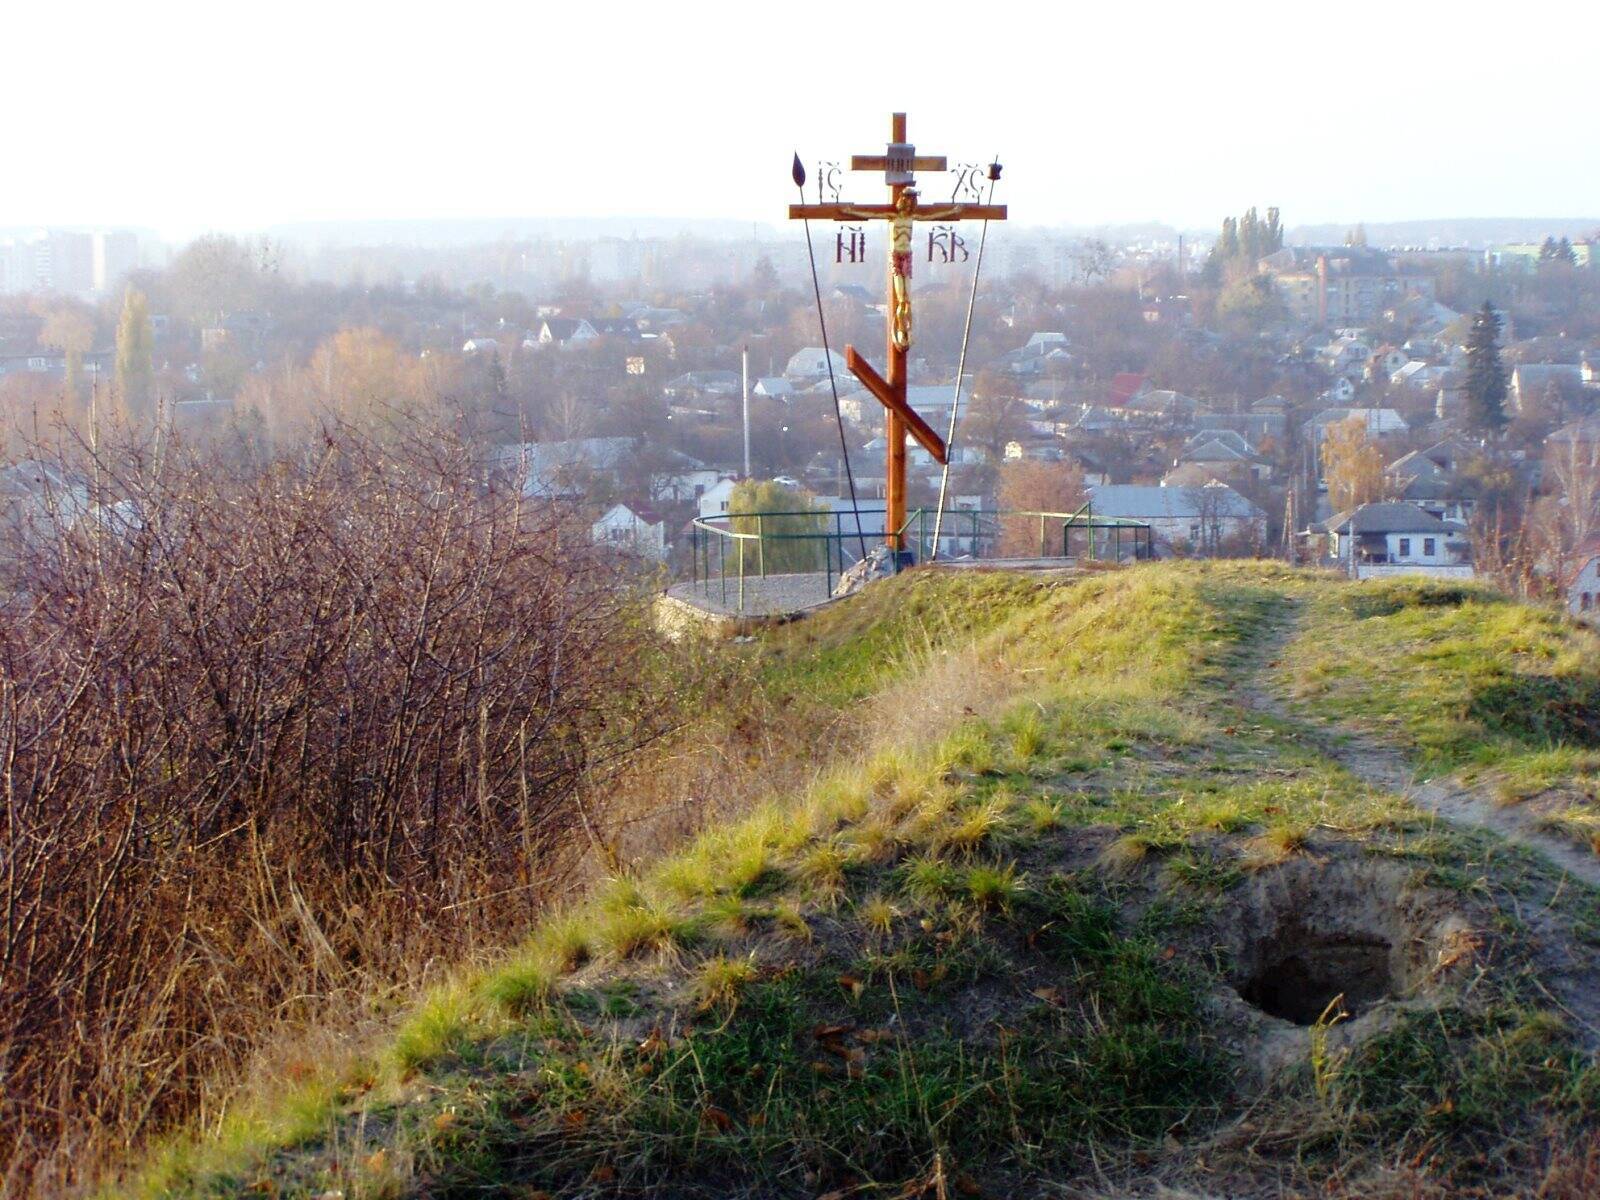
921	980
715	1117
824	1032
967	1185
1169	952
852	985
604	1173
1049	995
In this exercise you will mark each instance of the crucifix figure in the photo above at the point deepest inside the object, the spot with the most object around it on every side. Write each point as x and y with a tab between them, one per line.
899	164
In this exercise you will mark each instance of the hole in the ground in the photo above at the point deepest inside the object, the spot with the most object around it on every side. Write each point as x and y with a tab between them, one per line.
1338	977
1311	933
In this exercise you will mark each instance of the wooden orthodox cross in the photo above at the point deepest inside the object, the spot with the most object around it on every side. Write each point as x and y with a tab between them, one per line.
899	163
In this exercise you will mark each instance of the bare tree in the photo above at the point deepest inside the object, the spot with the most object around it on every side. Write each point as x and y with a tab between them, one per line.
236	710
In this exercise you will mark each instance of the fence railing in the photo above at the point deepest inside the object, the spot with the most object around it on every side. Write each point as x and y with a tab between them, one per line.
792	558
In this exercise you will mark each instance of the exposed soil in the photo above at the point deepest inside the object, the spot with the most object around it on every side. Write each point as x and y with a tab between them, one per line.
1572	973
1324	939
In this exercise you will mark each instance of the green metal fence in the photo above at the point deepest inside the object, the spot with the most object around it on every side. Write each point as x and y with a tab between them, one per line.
744	561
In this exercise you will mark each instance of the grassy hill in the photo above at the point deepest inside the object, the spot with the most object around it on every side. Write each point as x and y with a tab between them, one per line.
1093	904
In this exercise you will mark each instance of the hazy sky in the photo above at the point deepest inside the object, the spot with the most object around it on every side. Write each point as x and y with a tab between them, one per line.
185	117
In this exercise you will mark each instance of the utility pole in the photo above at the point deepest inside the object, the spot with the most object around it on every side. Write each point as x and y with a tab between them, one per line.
899	162
744	371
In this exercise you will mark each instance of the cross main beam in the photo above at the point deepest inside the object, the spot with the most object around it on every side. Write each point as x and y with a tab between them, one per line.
899	163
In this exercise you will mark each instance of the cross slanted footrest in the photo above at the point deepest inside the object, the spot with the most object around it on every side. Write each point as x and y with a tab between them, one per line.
879	387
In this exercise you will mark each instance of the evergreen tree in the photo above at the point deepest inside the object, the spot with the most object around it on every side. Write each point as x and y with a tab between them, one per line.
1486	375
1565	253
1228	244
1274	233
1250	236
136	357
1547	251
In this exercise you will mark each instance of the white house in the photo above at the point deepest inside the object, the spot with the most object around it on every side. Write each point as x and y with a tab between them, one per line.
1583	591
563	331
1392	538
714	500
812	363
643	532
774	387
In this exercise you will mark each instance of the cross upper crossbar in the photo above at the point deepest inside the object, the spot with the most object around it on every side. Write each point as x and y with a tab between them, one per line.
882	162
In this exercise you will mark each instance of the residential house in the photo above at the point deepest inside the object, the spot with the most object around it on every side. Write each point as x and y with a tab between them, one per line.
615	327
1420	377
1427	478
774	387
1163	402
564	332
1125	385
1342	392
1395	538
1224	454
714	500
1533	383
1202	520
812	363
1256	427
1583	590
694	384
562	470
1345	356
931	401
653	322
641	532
1380	422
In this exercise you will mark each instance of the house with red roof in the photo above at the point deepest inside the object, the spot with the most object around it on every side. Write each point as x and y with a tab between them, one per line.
1125	385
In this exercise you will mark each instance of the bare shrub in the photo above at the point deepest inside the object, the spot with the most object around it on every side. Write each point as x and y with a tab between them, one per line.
265	732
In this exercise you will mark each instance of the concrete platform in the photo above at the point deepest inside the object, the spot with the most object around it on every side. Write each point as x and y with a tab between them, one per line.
773	596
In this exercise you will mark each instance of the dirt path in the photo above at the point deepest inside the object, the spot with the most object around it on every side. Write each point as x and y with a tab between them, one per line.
1569	972
1386	767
